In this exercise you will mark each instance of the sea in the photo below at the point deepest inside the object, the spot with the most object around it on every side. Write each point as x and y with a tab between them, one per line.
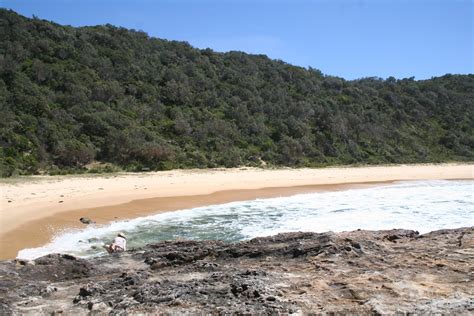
423	206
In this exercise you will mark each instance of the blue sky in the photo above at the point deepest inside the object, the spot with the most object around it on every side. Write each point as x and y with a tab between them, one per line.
351	39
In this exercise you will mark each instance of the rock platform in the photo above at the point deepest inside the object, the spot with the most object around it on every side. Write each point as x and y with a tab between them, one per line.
365	272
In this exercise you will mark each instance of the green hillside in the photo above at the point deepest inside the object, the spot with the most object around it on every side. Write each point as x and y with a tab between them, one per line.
70	96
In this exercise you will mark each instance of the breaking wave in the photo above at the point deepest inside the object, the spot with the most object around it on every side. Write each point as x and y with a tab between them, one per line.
419	205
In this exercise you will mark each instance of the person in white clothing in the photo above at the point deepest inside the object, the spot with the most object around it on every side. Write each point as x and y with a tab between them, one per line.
119	244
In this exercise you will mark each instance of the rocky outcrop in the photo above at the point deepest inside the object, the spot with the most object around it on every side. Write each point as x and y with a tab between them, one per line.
376	272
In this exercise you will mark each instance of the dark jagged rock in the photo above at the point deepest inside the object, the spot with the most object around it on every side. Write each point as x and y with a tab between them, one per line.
54	267
376	272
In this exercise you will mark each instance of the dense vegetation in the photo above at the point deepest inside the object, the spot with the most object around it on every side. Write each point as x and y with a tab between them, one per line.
71	96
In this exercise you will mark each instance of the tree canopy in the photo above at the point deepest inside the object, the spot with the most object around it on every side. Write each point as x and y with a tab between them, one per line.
71	96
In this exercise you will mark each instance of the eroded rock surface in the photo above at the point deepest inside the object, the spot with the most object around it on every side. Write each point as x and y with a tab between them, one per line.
377	272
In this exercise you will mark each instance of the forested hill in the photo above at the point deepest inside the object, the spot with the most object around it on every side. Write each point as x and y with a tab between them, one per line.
71	96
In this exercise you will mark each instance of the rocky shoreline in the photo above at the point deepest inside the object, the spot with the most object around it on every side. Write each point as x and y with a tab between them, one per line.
376	272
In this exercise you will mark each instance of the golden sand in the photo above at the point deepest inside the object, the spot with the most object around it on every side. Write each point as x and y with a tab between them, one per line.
35	208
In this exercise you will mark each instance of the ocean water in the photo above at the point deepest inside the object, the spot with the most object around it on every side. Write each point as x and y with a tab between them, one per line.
419	205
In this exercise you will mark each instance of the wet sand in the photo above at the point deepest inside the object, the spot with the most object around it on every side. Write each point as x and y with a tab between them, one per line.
34	209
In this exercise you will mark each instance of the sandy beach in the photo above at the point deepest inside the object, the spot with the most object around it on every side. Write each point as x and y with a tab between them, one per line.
34	209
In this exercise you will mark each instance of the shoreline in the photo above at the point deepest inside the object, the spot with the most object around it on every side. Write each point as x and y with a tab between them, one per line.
44	206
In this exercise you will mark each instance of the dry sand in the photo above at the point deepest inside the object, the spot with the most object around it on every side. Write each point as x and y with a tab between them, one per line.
33	209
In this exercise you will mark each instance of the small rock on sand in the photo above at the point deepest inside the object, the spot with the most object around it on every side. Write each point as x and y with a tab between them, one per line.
86	220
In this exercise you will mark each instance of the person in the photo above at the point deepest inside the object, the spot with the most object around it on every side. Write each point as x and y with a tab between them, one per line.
119	244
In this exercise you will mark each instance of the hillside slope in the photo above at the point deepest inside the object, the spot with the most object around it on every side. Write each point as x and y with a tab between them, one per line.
70	96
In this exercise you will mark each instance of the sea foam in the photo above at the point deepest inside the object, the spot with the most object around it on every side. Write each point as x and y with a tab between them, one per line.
419	205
